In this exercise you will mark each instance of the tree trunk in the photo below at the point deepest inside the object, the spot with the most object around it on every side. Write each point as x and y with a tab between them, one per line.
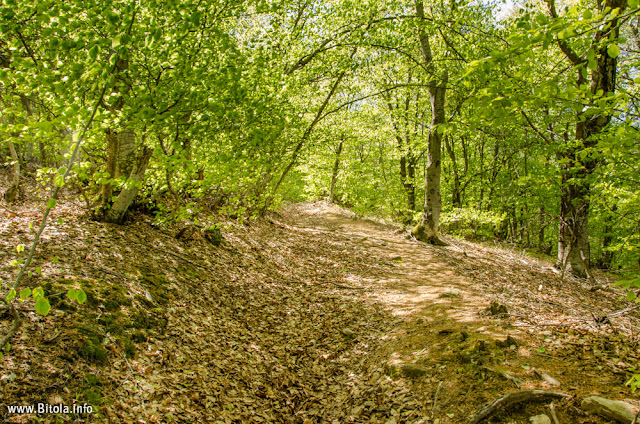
112	162
410	186
607	255
456	196
573	236
127	196
294	157
427	229
573	243
334	173
541	242
11	194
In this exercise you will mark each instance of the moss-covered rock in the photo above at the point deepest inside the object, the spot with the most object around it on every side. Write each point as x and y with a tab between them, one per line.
214	236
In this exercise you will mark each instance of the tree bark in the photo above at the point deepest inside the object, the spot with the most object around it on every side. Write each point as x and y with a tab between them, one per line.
128	194
573	238
427	229
11	194
456	195
334	173
112	162
607	255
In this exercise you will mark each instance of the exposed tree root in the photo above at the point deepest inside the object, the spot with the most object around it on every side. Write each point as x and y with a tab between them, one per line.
511	399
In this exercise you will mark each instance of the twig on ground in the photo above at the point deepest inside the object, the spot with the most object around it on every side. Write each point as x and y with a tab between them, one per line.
512	399
554	416
340	286
435	400
9	210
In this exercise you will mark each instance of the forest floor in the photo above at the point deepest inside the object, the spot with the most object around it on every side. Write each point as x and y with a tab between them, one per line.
307	316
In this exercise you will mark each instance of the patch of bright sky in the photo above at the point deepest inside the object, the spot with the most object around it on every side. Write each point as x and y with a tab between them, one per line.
501	8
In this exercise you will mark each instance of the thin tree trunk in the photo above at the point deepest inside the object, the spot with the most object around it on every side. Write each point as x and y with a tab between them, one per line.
607	255
427	229
11	194
410	186
306	134
456	200
334	173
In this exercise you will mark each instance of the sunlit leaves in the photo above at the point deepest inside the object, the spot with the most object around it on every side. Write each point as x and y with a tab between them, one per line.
78	295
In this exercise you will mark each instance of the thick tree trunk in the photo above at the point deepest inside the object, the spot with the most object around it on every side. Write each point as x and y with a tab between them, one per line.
334	173
573	238
127	196
112	163
11	194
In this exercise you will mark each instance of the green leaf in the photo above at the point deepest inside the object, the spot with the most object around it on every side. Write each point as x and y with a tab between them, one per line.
20	248
632	3
631	296
93	53
42	306
7	347
117	40
613	50
72	294
82	296
25	293
51	203
37	293
11	295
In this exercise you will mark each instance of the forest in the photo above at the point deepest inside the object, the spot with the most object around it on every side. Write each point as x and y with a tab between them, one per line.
319	185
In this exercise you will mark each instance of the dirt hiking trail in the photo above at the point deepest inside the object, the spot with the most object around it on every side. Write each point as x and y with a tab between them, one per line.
307	316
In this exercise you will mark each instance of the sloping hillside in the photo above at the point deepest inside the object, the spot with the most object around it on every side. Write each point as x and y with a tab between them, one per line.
306	316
